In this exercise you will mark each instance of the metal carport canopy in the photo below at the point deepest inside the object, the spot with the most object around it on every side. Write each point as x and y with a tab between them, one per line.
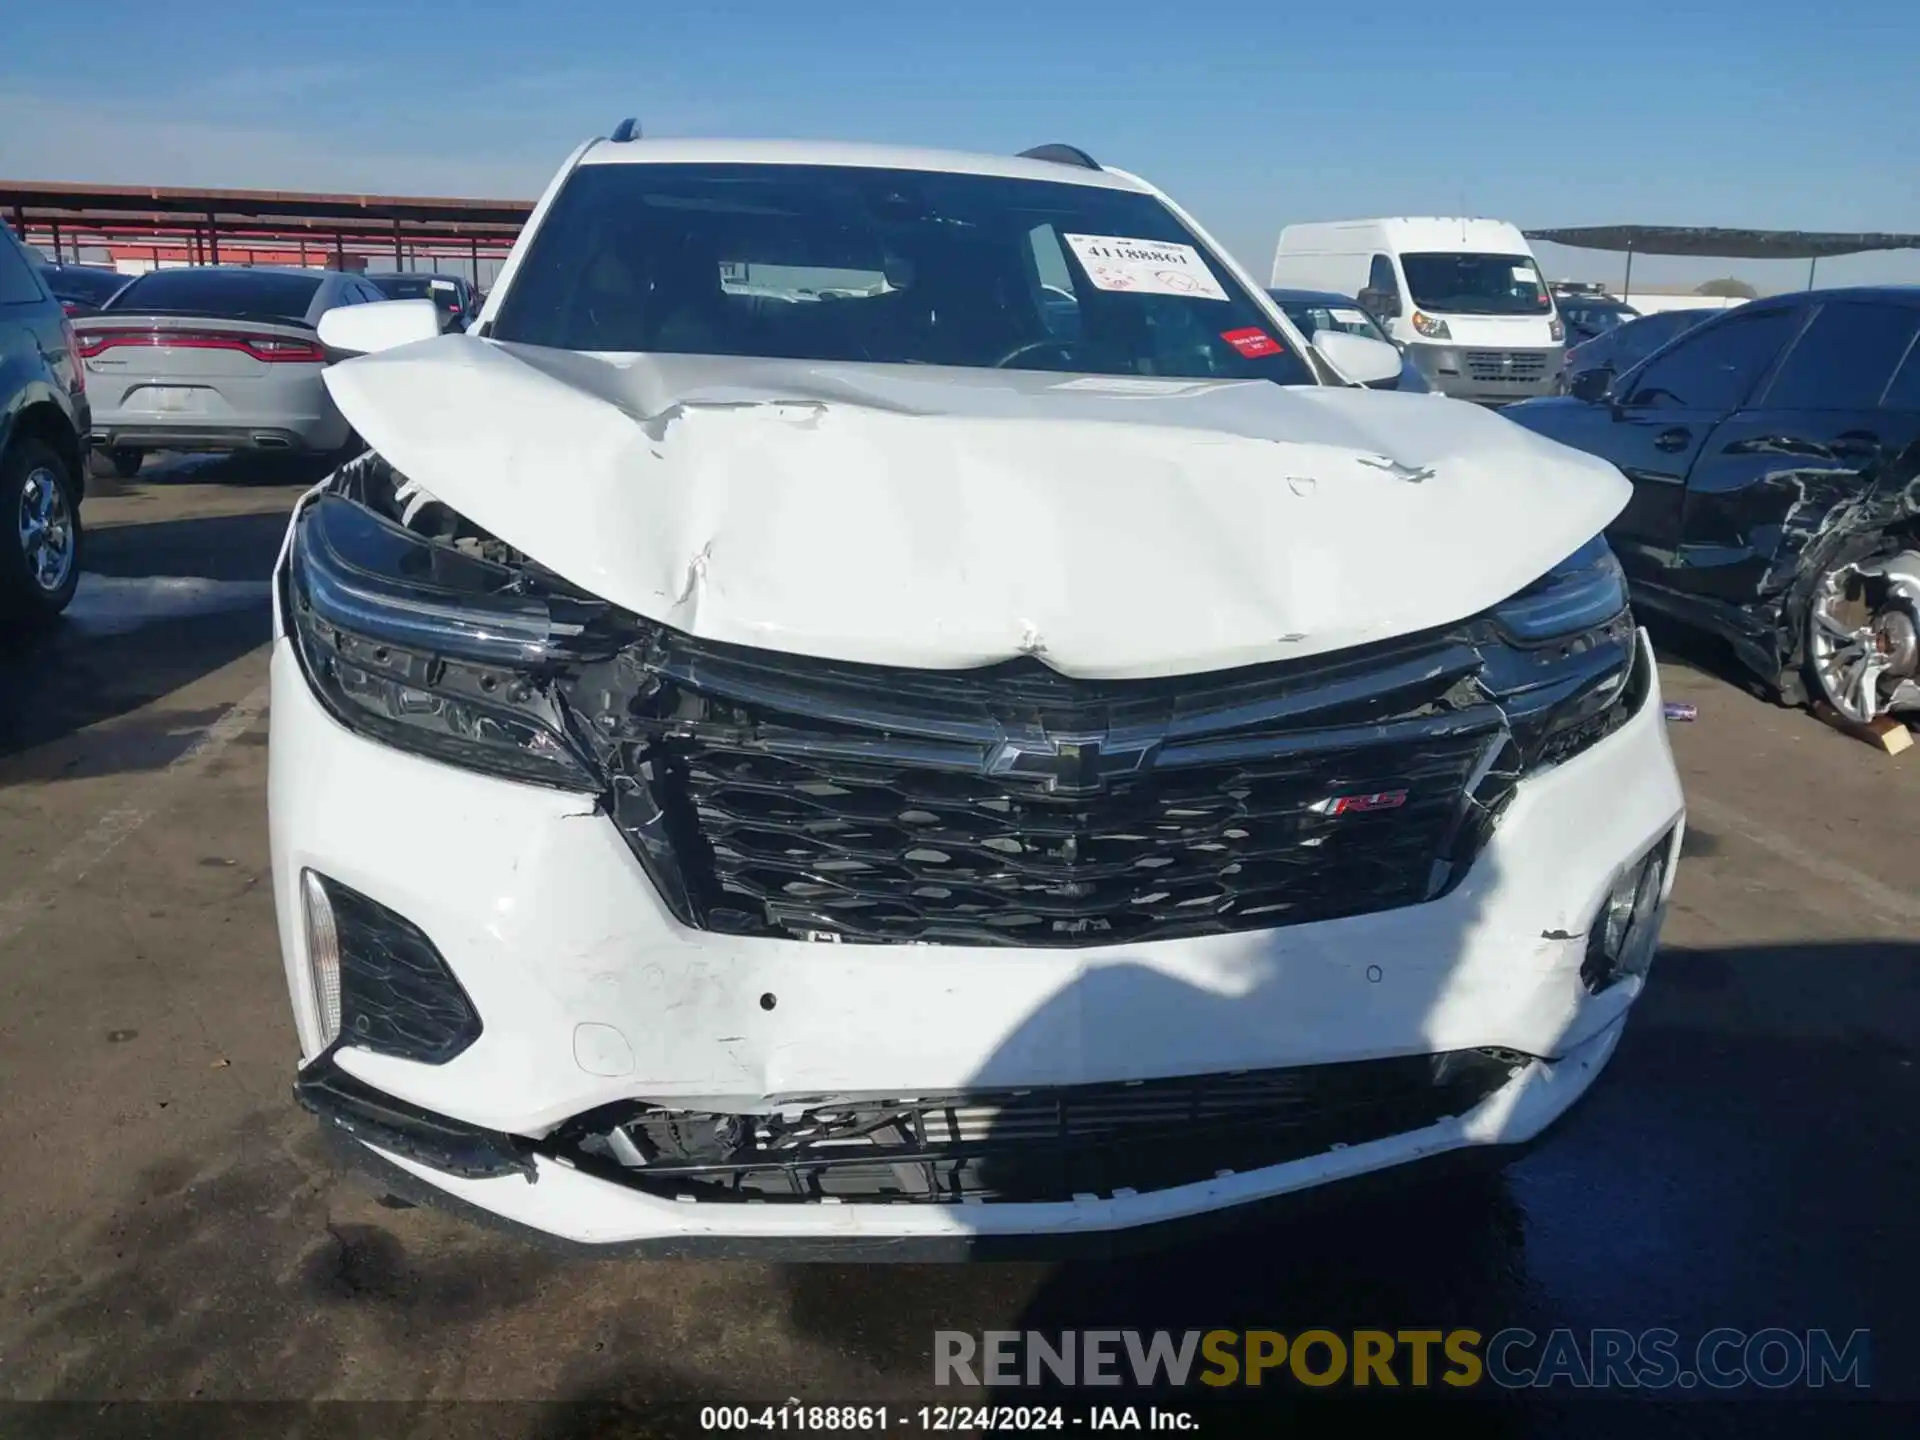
151	210
1726	244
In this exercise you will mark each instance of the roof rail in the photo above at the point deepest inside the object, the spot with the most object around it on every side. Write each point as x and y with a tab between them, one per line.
1061	155
627	129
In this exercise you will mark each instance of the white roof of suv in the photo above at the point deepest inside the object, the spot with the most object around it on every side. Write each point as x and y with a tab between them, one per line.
875	157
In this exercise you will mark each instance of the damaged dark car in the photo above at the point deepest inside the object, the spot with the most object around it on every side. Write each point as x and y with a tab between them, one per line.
1774	454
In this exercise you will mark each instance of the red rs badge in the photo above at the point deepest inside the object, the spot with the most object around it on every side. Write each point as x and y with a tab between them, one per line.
1251	342
1361	804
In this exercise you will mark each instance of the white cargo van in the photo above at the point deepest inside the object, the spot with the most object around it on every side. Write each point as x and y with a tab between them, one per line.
1464	298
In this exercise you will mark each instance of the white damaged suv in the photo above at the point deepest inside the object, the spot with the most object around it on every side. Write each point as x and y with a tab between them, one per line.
886	702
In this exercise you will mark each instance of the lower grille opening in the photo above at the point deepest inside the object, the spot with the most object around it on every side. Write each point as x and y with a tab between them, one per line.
1038	1145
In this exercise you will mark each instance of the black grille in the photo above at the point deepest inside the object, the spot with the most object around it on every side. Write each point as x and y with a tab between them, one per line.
1501	365
1048	1144
887	851
785	797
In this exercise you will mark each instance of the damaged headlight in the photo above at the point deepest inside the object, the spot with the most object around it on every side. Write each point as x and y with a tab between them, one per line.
431	649
1582	592
1571	672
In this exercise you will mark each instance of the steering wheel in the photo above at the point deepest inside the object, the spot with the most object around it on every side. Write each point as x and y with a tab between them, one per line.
1065	347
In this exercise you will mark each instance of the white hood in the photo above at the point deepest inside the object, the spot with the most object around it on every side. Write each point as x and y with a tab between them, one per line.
946	518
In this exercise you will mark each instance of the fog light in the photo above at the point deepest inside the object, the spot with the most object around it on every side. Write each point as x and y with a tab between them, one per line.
379	983
1636	952
323	957
1617	914
1625	931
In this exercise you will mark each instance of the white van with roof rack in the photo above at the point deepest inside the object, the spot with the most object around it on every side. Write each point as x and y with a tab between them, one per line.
1463	298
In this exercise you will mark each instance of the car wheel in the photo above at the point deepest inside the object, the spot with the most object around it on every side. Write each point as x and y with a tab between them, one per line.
1862	641
119	461
40	537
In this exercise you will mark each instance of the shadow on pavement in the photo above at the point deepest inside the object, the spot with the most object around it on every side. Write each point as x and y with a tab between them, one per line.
250	470
1747	1161
160	605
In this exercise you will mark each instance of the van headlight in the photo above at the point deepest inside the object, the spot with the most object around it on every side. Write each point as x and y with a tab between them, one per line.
430	649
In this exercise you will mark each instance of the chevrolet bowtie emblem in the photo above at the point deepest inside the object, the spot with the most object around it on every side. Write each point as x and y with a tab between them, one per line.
1072	762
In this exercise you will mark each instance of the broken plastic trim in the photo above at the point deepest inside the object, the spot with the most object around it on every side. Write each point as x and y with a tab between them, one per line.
1040	1145
372	1117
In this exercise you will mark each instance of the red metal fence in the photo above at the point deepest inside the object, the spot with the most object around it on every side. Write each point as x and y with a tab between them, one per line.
137	227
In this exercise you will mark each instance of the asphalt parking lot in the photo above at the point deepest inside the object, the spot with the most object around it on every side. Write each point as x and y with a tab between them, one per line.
170	1228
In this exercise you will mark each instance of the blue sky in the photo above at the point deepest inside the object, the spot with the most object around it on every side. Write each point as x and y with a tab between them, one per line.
1697	112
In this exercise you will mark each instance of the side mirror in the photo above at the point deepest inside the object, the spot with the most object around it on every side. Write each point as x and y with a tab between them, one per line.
382	325
1591	385
1359	358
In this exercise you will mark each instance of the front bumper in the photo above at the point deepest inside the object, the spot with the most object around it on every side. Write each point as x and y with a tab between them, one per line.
1086	1229
592	994
1478	374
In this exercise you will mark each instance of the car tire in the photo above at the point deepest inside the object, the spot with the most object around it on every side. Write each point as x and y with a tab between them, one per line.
41	537
120	462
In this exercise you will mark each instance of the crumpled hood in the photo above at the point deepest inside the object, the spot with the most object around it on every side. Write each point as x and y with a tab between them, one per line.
947	518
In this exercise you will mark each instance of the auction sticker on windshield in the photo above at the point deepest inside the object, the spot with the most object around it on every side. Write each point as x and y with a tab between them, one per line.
1251	342
1147	267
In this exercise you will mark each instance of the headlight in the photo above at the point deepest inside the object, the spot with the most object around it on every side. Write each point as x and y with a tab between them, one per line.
1571	671
1556	332
1584	591
1431	328
430	649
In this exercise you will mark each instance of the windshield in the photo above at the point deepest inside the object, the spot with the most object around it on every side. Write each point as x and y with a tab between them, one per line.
418	287
90	286
902	267
1313	316
1648	333
1595	318
1470	284
232	293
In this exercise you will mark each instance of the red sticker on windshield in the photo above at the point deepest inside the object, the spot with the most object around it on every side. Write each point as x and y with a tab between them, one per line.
1251	342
